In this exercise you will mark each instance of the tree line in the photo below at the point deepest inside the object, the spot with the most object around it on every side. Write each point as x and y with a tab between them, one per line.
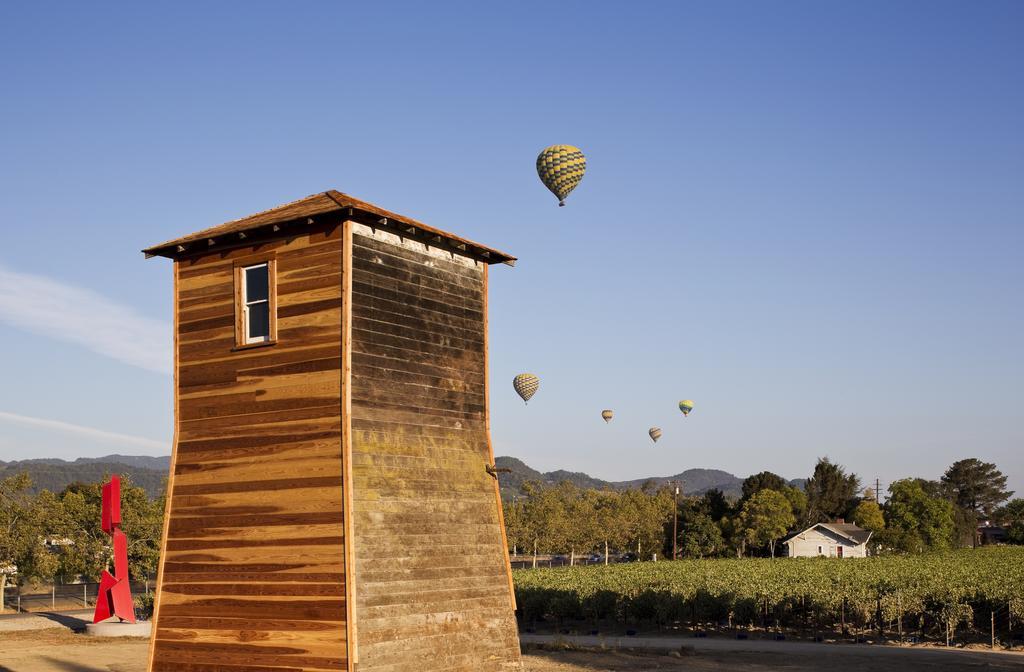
917	515
50	537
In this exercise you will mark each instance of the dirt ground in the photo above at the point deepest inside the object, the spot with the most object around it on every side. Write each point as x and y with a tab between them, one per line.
59	650
752	661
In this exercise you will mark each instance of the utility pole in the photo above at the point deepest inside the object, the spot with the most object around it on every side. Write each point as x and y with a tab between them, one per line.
877	485
675	520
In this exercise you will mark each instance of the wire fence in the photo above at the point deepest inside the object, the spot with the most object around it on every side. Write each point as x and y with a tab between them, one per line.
61	597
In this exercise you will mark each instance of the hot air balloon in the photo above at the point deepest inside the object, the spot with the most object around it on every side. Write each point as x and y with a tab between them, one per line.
526	385
655	433
686	406
607	414
560	168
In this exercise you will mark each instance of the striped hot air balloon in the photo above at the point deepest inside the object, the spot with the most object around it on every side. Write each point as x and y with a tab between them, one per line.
560	168
655	433
686	406
607	414
526	385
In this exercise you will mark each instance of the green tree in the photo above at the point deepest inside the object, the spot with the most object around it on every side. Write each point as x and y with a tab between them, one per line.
699	535
831	492
965	522
766	517
868	514
647	512
24	524
715	504
581	509
977	488
545	520
512	511
1011	517
613	527
765	480
797	500
734	533
915	520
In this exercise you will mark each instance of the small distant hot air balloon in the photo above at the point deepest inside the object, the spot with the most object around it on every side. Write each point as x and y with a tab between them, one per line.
655	433
607	414
686	406
526	385
560	168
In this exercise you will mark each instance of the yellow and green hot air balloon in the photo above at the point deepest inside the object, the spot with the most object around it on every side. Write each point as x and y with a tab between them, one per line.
561	168
526	385
686	406
607	414
655	433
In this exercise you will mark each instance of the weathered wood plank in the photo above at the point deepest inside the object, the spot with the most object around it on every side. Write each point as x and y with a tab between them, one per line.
254	571
431	580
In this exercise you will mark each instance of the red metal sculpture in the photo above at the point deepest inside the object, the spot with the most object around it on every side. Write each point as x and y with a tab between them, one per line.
115	594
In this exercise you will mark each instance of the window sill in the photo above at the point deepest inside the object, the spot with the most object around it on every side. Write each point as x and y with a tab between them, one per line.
250	346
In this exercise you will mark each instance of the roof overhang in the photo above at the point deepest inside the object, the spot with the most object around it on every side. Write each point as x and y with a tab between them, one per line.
328	207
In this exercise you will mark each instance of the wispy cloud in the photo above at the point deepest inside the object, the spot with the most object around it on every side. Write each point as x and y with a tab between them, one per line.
57	310
82	430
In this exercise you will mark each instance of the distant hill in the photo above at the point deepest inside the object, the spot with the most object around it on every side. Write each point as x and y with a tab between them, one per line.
162	463
54	474
150	473
693	481
521	472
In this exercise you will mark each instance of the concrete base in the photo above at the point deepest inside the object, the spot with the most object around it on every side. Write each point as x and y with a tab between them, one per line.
119	629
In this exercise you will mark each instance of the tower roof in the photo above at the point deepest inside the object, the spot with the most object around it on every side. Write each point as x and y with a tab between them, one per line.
323	206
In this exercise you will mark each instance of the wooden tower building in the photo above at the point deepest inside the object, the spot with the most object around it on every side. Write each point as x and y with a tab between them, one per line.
332	504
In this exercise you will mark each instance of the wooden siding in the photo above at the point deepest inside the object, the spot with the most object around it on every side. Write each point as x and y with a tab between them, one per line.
432	590
253	571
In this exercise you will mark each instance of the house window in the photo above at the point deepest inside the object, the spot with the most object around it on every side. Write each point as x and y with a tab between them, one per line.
819	551
256	304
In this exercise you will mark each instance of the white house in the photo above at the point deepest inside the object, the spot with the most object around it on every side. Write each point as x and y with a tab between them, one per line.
831	540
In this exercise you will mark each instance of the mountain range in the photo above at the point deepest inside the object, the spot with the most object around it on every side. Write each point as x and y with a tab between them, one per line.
150	473
691	481
54	474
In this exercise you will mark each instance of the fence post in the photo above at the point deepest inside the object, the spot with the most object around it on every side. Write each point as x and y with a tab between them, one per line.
53	596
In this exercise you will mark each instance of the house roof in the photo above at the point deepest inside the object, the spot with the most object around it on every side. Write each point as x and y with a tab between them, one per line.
849	530
309	210
854	533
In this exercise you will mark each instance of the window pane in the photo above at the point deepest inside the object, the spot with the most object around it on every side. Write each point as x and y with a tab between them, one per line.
259	321
257	283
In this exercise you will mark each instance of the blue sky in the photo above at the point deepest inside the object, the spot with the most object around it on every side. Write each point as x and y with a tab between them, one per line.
807	217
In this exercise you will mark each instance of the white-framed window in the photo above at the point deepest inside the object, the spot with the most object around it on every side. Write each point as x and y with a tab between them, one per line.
255	302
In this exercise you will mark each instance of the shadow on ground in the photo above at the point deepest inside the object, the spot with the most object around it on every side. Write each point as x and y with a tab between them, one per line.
68	666
73	623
